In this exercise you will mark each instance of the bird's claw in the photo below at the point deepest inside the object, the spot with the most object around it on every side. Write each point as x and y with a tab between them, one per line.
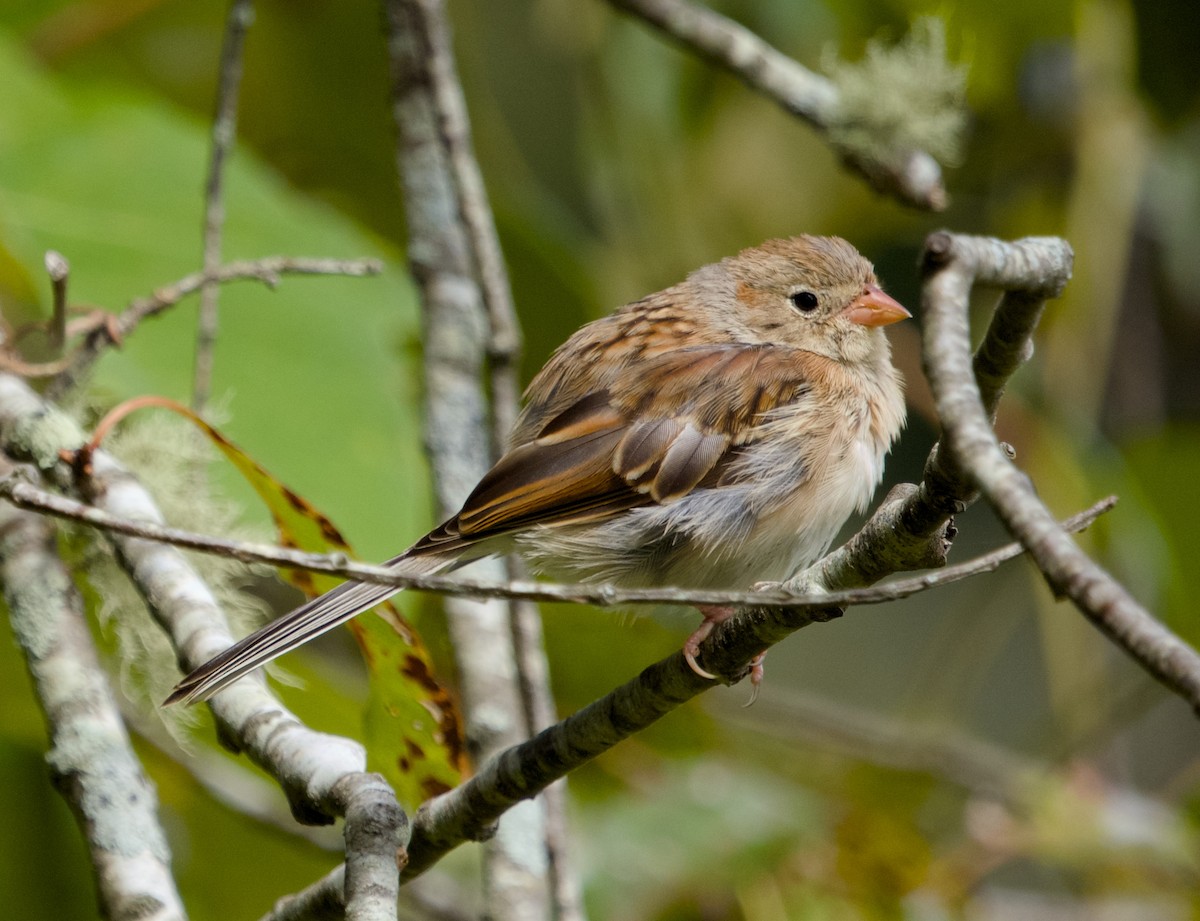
756	678
713	615
690	656
691	648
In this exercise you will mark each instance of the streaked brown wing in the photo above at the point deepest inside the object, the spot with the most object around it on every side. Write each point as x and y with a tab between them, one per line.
647	440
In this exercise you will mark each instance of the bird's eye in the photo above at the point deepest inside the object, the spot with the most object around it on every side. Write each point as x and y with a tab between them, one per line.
804	301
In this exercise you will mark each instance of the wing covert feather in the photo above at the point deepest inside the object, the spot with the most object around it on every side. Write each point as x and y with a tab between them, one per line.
639	441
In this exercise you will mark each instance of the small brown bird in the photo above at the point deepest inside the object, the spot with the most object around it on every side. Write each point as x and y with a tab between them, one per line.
712	435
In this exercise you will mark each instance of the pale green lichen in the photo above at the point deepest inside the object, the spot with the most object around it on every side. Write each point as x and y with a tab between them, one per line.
41	437
901	98
171	459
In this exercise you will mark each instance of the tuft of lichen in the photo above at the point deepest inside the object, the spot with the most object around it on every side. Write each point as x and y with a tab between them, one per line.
172	460
901	98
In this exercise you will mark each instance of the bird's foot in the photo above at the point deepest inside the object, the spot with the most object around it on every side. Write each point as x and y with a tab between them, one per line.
715	614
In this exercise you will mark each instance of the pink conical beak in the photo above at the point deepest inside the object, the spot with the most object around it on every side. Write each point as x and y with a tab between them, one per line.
874	308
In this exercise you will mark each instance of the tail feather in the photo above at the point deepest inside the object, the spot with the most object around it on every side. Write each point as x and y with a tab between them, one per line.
294	629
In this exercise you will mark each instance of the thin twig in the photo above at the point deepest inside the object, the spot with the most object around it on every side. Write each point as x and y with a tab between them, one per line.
224	128
58	269
953	264
913	176
268	270
90	757
28	496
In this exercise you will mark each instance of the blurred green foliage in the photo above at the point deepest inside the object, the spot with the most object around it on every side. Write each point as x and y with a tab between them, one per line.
976	753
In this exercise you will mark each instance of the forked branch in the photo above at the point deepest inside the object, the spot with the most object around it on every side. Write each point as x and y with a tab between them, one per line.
1028	271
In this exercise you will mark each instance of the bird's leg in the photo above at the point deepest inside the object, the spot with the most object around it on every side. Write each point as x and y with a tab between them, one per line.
715	614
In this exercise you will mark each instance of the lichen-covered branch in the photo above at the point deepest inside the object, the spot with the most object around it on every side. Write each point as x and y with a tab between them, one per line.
1034	269
91	760
502	353
910	174
322	775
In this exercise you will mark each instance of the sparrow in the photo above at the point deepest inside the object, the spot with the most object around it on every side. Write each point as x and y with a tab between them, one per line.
710	436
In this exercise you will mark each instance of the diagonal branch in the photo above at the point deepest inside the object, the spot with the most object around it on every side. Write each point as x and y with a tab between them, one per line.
468	812
912	176
1034	269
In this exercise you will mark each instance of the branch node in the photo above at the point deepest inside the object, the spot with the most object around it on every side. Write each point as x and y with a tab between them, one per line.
937	253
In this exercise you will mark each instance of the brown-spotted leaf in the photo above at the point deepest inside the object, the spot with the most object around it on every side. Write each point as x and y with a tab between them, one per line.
414	733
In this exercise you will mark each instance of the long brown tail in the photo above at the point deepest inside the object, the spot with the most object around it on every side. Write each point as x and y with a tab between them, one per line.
294	629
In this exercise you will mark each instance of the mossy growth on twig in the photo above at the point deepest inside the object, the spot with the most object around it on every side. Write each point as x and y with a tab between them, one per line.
901	98
172	459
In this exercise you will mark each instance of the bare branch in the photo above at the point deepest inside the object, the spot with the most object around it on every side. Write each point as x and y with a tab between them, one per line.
376	832
1036	268
91	760
913	176
224	127
469	811
267	270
